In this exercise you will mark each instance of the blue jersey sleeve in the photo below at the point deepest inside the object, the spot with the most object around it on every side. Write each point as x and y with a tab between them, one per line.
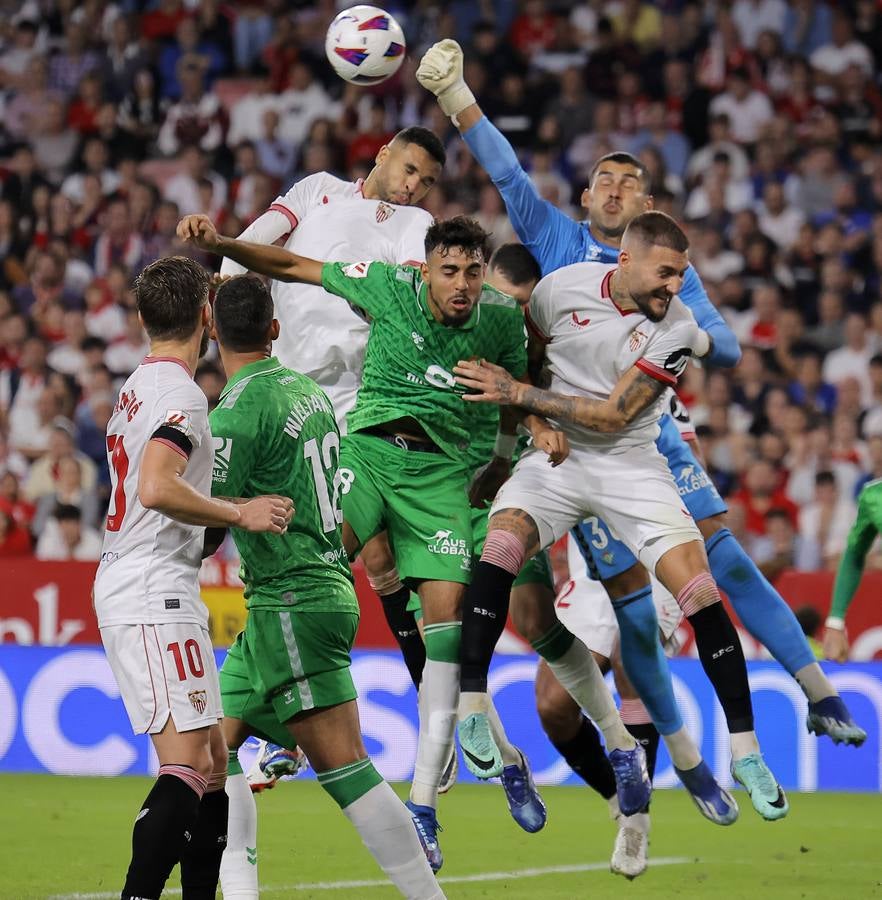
726	351
550	235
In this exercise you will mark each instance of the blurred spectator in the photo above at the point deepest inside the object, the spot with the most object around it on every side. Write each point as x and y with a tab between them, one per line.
44	473
69	491
67	68
248	114
142	109
117	242
183	188
252	31
197	119
720	141
808	388
276	157
15	541
778	220
638	23
67	356
66	537
807	26
827	519
535	29
852	360
56	141
188	43
761	493
752	17
103	319
783	548
832	59
748	109
304	101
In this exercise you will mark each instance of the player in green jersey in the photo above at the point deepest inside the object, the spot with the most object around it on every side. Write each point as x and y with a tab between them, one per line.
867	526
409	435
288	673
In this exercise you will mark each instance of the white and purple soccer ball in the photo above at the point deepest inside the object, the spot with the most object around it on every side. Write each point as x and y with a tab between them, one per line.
365	45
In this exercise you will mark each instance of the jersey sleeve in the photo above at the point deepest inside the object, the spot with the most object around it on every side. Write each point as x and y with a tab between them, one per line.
265	229
550	235
180	419
368	285
411	249
725	350
668	355
513	356
294	204
237	442
539	312
860	538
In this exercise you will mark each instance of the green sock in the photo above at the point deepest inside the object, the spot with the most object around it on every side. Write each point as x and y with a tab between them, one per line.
347	783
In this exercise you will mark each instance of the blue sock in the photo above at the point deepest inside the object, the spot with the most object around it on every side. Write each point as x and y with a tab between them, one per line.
760	607
644	660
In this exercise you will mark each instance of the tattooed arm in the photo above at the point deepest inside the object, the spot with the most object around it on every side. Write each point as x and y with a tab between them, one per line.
635	392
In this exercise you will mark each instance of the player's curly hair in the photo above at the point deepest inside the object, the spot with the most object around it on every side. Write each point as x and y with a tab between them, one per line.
460	231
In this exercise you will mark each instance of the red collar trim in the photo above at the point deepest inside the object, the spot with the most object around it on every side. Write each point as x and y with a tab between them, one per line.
606	293
359	187
172	359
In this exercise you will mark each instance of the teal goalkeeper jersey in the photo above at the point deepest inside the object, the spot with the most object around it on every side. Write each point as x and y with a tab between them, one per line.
408	364
274	432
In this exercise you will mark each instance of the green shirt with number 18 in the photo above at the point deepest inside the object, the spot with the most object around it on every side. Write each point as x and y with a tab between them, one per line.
408	364
274	432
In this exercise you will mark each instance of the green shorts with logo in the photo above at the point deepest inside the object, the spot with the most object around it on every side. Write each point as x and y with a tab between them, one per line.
418	498
286	662
535	571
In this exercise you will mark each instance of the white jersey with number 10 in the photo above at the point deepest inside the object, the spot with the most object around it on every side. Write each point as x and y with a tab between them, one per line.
149	566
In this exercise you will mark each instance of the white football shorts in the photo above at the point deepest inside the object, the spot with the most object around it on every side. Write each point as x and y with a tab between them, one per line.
165	670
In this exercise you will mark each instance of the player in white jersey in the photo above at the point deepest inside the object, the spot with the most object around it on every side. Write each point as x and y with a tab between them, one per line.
153	624
617	338
322	336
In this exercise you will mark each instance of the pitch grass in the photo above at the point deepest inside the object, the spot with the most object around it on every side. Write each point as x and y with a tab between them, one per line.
66	836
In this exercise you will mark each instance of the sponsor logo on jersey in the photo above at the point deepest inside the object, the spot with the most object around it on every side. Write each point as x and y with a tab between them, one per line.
223	447
419	340
333	556
593	251
356	270
384	211
444	543
692	479
576	322
637	339
198	700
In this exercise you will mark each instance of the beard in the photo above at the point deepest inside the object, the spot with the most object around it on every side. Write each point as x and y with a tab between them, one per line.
644	304
203	343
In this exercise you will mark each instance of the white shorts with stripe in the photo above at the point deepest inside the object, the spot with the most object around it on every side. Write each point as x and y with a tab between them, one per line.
164	670
633	491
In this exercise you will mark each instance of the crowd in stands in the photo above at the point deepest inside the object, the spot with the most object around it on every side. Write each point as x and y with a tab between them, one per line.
759	120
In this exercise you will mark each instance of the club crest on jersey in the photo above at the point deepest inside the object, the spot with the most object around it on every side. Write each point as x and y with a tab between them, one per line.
198	700
384	211
576	322
637	340
220	469
356	270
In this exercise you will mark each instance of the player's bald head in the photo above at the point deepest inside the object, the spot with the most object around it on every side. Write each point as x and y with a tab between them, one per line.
243	314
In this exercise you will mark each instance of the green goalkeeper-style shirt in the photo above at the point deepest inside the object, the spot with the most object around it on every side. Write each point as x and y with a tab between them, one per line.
408	364
866	526
274	432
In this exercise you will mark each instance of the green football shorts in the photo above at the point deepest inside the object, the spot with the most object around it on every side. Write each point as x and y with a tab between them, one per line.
287	662
418	498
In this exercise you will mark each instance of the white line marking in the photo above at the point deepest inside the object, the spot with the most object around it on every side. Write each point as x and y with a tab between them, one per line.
382	882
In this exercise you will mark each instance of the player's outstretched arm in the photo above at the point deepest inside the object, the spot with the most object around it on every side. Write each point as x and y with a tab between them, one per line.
276	262
634	393
161	487
545	230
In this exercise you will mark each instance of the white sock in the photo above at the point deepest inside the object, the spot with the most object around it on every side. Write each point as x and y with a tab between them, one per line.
387	830
743	743
439	693
470	703
814	683
577	671
238	871
682	750
511	756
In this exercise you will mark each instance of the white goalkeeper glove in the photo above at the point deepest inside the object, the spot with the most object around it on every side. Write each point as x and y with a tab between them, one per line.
440	72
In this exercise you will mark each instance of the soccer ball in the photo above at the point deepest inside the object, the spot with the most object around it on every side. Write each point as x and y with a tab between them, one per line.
365	45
